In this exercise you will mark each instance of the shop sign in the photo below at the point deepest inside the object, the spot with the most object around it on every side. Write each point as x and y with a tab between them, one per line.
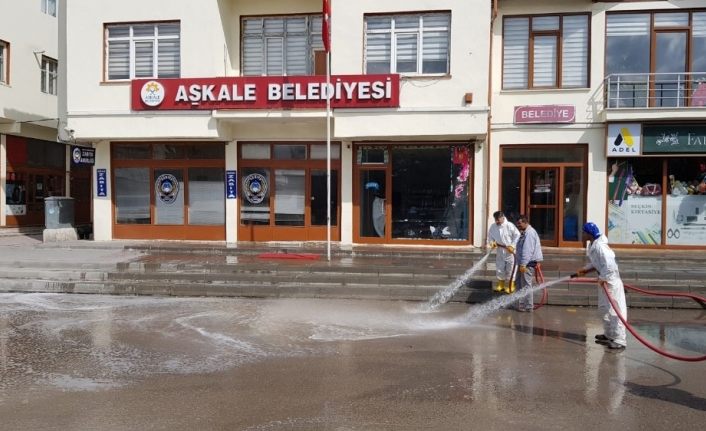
167	188
266	92
83	155
545	114
16	210
231	185
674	139
101	183
624	139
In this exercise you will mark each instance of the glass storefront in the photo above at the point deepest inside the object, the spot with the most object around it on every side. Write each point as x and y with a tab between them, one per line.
657	201
169	190
413	192
547	184
283	191
36	170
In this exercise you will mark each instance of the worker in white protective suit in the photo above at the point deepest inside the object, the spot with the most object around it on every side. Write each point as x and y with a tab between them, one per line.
503	236
602	260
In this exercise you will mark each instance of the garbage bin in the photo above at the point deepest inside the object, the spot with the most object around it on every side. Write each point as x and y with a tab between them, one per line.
58	212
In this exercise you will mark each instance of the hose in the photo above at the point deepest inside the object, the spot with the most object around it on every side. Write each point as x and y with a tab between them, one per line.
539	278
634	332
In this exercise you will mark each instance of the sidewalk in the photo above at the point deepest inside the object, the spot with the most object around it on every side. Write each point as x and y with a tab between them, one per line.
177	268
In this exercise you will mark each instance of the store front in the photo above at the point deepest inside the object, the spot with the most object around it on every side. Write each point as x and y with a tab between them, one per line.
548	184
657	184
166	190
283	191
36	169
412	192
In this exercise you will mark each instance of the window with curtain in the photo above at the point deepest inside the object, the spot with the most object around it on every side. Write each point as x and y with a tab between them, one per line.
49	7
143	50
4	62
555	46
408	44
279	46
49	67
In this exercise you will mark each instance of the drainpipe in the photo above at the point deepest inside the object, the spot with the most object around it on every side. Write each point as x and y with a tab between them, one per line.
494	14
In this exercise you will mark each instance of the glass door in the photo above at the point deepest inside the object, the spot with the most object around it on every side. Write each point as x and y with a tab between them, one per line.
373	212
670	82
542	204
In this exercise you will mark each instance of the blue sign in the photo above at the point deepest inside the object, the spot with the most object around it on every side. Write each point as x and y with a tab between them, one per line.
231	185
101	183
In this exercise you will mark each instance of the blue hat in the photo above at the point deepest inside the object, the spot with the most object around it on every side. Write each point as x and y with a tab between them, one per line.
591	229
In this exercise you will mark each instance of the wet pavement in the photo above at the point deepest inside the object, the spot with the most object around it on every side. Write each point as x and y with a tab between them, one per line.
84	362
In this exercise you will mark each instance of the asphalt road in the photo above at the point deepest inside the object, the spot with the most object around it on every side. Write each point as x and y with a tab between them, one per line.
82	362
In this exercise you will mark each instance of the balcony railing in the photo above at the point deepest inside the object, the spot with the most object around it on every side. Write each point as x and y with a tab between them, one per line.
655	90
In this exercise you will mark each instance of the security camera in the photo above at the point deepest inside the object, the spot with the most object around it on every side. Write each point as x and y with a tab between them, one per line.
69	130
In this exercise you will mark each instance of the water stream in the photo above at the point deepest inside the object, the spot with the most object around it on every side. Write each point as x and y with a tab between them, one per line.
443	296
480	311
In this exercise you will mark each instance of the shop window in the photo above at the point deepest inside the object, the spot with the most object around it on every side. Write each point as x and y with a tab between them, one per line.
277	46
318	198
635	201
430	192
290	186
132	152
206	191
143	50
132	195
545	51
255	202
372	155
206	151
555	154
372	203
289	152
45	154
16	194
318	152
511	193
4	62
255	151
409	44
686	201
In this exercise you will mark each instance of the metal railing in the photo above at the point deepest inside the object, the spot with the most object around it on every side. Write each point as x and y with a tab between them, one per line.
655	90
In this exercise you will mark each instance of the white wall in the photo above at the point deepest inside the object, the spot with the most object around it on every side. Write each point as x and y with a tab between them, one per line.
30	34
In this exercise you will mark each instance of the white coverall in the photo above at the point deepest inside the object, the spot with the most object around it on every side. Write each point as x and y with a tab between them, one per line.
603	260
503	234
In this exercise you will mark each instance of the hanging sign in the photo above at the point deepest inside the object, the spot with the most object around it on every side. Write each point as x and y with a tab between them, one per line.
661	139
231	185
624	139
83	156
101	183
266	92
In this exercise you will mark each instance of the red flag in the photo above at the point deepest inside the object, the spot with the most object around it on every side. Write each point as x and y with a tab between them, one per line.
325	28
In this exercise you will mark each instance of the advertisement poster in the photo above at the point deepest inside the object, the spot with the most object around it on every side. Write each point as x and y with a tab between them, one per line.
15	210
637	221
686	220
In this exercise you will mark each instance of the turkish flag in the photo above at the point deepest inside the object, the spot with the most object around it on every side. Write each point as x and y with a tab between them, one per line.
325	28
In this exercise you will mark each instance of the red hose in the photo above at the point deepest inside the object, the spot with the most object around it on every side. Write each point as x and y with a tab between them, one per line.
638	336
539	277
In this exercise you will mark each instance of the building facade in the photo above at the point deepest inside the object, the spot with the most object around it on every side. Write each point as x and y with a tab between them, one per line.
33	164
598	114
209	121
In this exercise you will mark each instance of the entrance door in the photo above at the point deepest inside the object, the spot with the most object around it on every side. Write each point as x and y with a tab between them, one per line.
542	203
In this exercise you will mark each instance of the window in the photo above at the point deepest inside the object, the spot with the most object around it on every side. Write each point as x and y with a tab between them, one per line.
545	52
49	7
280	46
656	59
143	50
409	44
4	62
49	66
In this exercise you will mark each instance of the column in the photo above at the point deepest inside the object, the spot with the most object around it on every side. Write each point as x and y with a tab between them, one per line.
102	205
232	204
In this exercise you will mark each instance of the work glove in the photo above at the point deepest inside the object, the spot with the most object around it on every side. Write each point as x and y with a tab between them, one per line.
493	244
523	268
511	249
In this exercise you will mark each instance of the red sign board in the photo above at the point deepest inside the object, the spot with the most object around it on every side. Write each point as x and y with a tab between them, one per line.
266	92
544	114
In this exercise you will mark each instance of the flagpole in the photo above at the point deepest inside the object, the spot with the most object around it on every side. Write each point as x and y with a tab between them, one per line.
328	154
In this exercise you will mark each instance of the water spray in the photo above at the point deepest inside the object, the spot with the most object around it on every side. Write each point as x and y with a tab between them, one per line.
443	296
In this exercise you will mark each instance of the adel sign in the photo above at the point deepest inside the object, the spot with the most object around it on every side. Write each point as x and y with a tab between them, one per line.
266	92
